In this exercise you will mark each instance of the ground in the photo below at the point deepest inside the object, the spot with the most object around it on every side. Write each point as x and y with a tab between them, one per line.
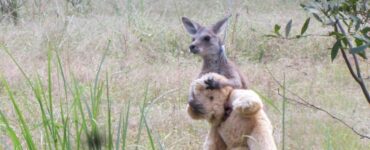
148	62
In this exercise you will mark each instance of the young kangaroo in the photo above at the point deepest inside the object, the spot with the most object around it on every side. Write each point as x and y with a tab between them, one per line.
207	43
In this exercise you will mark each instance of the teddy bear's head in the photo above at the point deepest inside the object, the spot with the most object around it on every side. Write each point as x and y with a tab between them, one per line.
208	104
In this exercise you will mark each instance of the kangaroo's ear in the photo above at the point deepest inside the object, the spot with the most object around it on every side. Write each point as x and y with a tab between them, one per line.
190	26
220	26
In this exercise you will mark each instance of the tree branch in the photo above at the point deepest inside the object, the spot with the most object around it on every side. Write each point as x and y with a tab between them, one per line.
344	55
350	46
305	103
358	78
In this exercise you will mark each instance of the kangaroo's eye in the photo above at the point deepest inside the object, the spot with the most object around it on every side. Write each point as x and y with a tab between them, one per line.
192	39
206	38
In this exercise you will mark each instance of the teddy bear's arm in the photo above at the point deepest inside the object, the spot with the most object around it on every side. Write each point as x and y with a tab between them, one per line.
246	102
214	141
262	138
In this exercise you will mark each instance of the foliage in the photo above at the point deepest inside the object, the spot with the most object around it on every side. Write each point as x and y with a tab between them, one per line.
349	19
77	126
9	9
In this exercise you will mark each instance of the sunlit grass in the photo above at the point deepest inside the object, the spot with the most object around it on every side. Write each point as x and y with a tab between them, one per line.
80	114
115	75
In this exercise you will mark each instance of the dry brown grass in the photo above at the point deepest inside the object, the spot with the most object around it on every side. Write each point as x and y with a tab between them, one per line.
149	48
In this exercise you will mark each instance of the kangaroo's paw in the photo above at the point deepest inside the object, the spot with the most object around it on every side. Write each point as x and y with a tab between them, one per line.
212	84
245	106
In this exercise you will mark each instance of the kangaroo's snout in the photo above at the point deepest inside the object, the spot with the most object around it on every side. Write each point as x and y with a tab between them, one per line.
194	49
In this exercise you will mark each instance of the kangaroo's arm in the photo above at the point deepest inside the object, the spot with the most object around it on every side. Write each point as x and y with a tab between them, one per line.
235	82
236	79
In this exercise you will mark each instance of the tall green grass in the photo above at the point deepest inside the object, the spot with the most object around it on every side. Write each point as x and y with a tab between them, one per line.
76	121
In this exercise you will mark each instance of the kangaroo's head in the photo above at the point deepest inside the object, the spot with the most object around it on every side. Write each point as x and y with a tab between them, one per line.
206	41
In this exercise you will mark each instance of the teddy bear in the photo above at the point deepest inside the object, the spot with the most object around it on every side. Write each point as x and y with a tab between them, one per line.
236	116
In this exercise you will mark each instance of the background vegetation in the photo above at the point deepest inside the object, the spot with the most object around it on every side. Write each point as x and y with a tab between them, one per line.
82	73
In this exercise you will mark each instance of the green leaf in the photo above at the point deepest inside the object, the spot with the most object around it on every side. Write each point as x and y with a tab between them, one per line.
358	42
335	49
357	25
288	27
305	26
360	39
362	54
345	41
277	29
317	17
365	31
271	35
337	35
359	49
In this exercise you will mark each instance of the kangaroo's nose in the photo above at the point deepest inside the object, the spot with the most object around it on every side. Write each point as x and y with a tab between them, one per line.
193	49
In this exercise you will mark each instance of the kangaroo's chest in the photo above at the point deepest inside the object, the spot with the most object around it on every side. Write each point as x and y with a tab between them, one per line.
227	72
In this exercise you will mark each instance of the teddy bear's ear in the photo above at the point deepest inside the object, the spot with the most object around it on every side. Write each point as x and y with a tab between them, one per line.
227	90
199	87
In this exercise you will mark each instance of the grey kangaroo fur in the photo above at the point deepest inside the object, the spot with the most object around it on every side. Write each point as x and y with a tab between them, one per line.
207	43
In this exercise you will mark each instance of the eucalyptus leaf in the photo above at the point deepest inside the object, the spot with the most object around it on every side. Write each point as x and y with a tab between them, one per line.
359	49
362	38
271	35
317	17
359	42
288	27
335	49
366	31
362	54
277	29
305	26
337	35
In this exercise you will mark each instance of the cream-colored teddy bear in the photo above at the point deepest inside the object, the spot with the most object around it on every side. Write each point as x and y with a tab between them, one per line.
236	116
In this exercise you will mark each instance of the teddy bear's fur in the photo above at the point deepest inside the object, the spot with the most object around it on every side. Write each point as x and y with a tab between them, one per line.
236	116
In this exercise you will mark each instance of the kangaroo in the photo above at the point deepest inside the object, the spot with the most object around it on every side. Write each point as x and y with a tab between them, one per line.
207	43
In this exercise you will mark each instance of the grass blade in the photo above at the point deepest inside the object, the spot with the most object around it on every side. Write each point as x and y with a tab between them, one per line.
148	132
283	118
142	108
24	126
143	116
11	133
65	119
54	131
77	98
119	131
110	136
99	68
124	132
19	67
39	97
